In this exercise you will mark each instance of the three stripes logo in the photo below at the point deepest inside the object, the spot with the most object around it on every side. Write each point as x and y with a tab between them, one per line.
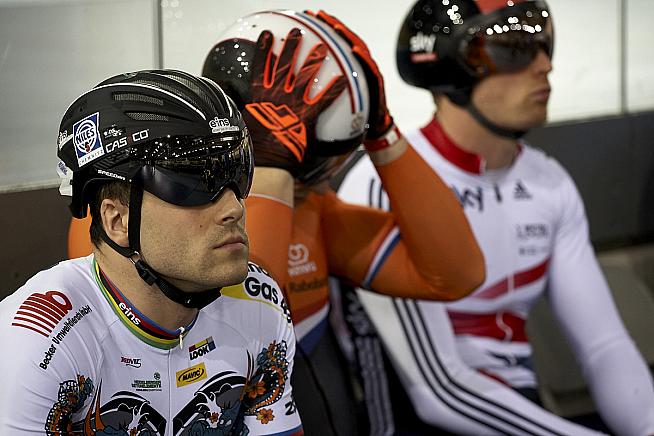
42	312
284	124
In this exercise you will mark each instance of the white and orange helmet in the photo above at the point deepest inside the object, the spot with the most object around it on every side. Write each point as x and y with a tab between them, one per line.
341	127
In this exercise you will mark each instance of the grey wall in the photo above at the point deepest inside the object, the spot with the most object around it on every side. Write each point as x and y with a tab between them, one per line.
612	162
33	231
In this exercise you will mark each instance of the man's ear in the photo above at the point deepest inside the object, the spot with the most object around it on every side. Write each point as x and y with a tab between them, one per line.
115	219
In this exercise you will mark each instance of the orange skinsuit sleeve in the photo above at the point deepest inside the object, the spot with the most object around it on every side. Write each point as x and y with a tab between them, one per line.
269	224
79	241
437	256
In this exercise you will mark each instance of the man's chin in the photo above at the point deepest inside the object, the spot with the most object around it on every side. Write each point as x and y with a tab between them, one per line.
227	275
536	120
235	272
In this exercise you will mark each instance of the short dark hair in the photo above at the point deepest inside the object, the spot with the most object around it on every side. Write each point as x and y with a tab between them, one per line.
113	191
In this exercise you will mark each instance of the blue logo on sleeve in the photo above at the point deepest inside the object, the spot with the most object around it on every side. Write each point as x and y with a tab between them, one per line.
86	139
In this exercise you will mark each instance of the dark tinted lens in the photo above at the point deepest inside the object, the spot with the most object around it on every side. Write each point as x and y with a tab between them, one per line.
514	51
507	42
198	177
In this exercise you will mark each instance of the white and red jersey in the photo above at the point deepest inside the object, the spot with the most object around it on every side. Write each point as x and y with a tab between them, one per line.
530	223
79	358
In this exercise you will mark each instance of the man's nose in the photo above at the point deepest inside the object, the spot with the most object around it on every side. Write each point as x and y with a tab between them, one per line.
228	207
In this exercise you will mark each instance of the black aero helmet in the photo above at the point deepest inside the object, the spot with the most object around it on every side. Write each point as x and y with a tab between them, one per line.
177	136
447	46
341	127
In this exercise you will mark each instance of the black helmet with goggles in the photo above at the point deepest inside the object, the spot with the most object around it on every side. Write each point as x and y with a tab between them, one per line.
174	135
447	46
177	136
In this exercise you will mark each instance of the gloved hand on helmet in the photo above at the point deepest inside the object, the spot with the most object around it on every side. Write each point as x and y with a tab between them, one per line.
379	120
281	115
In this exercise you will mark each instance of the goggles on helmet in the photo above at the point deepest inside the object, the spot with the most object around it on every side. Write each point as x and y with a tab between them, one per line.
192	171
507	41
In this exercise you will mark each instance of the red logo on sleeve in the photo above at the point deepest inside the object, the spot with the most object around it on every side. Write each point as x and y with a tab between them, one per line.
42	312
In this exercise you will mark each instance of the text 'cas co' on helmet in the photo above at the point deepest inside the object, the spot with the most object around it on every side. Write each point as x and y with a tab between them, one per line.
177	136
342	125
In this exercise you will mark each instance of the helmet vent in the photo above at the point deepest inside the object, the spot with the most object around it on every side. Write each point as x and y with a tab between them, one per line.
128	96
172	89
196	89
145	116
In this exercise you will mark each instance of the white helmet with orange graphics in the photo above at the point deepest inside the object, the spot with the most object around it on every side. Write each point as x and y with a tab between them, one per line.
315	69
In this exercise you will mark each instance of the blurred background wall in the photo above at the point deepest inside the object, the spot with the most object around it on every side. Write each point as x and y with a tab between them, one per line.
601	110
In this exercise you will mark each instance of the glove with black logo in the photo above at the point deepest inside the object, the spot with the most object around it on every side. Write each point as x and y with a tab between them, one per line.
379	120
281	115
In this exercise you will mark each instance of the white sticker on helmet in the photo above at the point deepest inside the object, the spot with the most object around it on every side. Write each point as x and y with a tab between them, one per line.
64	137
220	125
86	138
66	175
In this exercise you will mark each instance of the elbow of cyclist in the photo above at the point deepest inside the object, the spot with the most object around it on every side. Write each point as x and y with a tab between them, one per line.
465	276
472	274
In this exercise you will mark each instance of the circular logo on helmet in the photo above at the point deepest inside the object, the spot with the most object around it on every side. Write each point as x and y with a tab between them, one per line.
85	136
86	139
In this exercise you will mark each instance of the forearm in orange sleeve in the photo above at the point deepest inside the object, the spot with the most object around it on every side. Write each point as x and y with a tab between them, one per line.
435	232
354	237
269	225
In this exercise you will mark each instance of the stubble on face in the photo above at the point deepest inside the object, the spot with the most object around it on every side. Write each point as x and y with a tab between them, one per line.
187	248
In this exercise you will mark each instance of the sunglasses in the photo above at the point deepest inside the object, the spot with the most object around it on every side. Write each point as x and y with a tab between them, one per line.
508	42
191	171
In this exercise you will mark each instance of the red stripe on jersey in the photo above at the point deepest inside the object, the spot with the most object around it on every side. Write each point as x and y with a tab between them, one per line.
34	322
33	314
470	162
493	376
486	6
28	327
504	325
29	306
520	278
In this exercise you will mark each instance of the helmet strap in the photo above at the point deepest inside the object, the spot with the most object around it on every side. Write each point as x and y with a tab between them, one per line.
463	97
498	130
196	300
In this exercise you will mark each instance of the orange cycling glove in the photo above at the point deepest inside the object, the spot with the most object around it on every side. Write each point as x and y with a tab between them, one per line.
281	115
379	119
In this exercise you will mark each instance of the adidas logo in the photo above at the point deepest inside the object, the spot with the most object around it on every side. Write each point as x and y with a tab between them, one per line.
520	192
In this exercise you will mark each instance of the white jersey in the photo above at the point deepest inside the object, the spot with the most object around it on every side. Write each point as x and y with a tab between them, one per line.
530	223
80	359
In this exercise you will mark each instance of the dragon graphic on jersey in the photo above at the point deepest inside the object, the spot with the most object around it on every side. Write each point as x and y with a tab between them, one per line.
217	407
70	399
267	384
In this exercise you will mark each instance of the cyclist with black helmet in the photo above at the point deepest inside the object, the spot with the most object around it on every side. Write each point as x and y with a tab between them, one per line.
487	62
164	329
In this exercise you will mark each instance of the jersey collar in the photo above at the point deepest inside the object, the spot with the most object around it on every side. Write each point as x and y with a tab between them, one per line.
140	325
470	162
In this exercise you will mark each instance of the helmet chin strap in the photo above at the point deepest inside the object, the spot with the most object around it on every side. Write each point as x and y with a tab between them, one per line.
498	130
196	300
463	97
